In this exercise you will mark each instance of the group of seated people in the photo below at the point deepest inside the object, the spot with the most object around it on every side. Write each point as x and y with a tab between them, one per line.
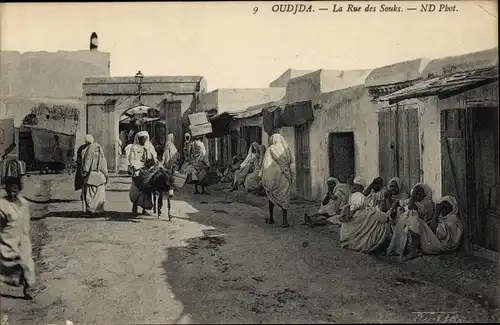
246	172
386	217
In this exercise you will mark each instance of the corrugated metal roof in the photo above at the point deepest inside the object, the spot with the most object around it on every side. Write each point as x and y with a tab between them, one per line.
445	86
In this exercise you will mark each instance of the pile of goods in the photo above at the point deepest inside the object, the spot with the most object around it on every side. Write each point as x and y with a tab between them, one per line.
179	180
199	124
50	146
53	131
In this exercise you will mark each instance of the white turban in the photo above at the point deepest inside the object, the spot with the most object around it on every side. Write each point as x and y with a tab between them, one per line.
89	139
360	181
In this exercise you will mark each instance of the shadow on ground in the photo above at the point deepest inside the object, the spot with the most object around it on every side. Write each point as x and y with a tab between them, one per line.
49	201
106	215
452	281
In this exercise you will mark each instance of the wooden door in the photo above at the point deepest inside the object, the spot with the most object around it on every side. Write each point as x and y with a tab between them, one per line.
97	126
235	144
173	122
101	125
341	155
244	142
255	134
95	121
227	157
387	144
220	151
399	151
249	135
109	138
454	166
212	152
408	153
303	161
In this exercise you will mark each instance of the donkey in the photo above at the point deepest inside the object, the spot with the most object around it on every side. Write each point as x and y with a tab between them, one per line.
161	186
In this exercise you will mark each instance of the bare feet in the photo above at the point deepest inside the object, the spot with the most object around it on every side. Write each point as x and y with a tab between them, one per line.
410	256
269	221
27	291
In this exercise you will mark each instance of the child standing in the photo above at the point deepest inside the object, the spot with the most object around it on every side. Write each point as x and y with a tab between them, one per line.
17	265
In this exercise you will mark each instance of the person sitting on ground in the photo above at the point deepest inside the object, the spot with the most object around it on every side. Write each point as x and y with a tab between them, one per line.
393	197
356	199
374	192
246	167
421	196
228	175
253	182
336	197
419	203
364	228
416	237
16	261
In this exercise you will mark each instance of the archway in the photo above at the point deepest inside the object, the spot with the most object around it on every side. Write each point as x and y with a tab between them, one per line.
135	119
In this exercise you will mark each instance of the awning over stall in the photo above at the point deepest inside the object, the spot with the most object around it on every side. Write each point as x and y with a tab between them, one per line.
445	86
221	124
280	115
298	113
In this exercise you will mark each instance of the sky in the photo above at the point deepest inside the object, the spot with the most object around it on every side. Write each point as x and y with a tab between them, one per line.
234	48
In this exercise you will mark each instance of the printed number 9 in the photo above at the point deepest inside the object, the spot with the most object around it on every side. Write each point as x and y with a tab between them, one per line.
255	9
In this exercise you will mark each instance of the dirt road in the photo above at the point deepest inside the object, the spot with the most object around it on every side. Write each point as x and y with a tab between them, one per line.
218	262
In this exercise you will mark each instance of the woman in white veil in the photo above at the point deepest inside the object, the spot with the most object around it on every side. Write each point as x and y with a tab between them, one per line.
245	167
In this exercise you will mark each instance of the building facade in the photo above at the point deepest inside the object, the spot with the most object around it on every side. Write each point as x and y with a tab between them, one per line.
32	78
457	112
309	138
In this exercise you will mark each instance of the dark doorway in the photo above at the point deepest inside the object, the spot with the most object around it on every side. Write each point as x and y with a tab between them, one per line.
483	178
26	149
249	135
341	155
235	148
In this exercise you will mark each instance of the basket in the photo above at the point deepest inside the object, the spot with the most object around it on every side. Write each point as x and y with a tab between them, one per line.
201	174
179	180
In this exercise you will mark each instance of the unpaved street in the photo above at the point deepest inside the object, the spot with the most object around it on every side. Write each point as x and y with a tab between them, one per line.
218	262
